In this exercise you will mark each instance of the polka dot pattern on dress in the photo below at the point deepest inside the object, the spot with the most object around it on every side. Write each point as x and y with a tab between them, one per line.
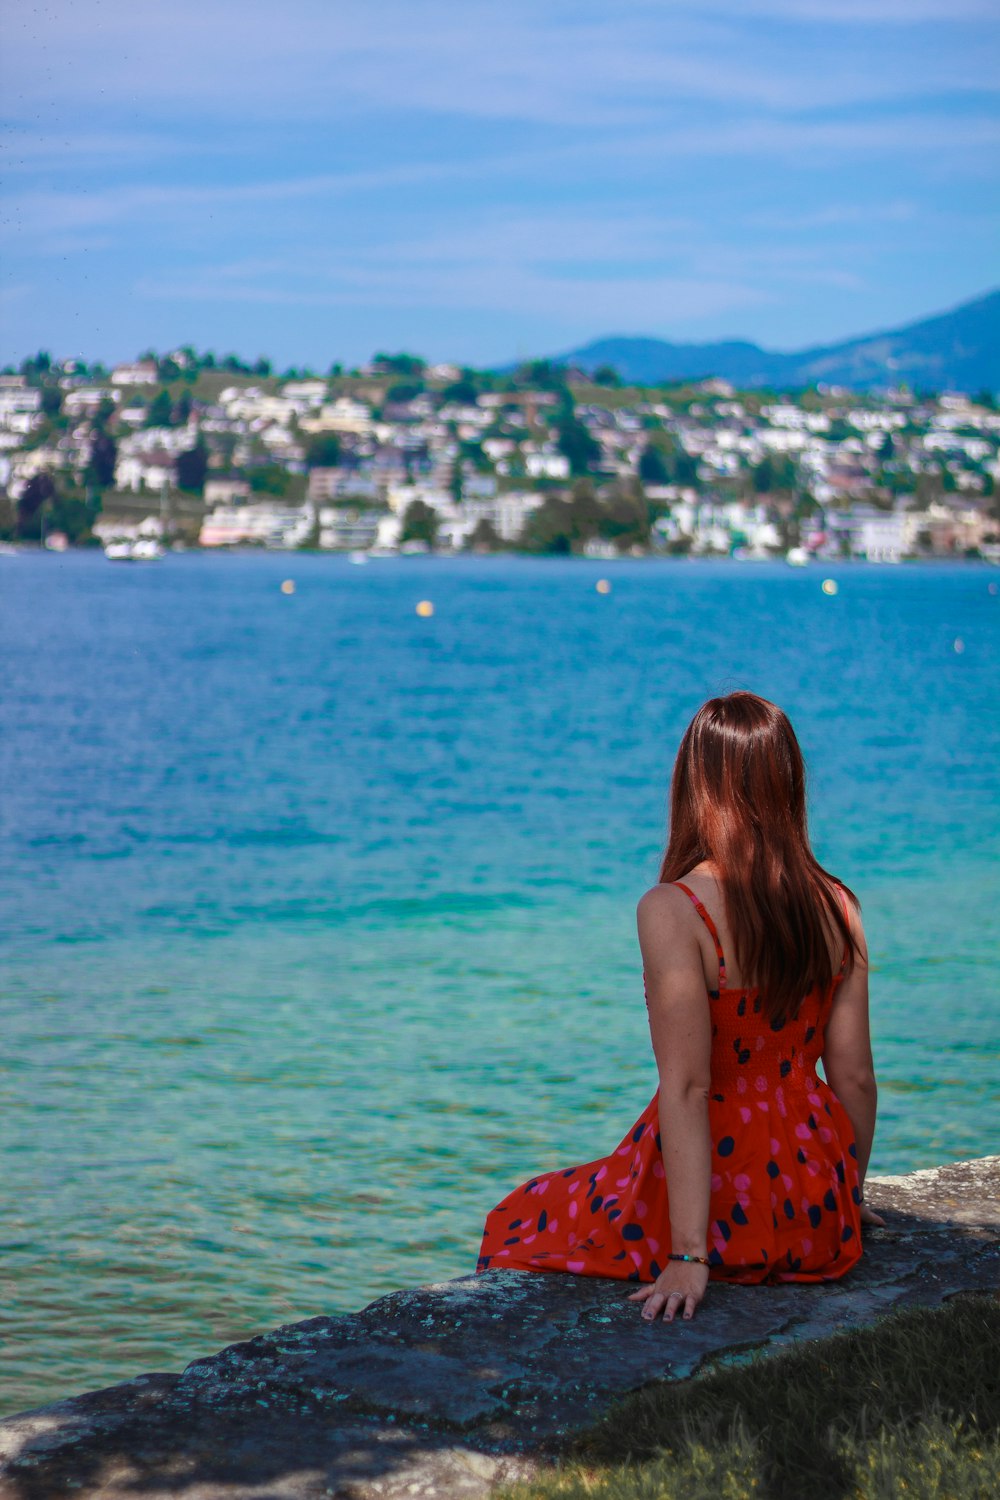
785	1196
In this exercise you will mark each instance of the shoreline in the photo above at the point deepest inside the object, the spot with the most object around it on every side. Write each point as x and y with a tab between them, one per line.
469	1383
37	549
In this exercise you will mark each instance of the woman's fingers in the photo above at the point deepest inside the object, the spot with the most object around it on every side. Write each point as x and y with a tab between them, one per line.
660	1297
676	1302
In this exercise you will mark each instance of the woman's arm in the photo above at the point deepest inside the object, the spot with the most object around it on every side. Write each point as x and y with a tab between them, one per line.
680	1027
847	1052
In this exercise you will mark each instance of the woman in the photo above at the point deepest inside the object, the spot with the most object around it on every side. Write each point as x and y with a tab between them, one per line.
745	1166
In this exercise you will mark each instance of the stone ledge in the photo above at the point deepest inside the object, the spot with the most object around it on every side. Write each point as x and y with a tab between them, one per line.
448	1390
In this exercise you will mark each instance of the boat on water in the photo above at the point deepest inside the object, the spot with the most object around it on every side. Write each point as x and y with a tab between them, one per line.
143	549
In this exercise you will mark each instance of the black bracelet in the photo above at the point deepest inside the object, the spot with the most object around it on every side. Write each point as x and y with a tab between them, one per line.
699	1260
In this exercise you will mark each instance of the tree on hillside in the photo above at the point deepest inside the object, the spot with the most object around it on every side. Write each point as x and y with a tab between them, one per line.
625	517
399	364
323	451
160	410
574	440
541	375
770	475
549	528
763	476
39	489
102	416
463	392
51	401
420	523
686	470
272	479
606	375
37	366
484	538
103	455
192	467
71	514
653	467
405	390
561	525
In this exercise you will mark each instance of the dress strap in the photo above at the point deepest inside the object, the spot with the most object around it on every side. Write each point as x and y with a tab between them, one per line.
847	919
703	914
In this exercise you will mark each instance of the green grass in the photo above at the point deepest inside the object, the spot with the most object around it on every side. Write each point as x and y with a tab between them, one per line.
908	1408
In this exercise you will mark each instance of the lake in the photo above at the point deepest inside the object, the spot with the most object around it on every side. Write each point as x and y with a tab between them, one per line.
318	915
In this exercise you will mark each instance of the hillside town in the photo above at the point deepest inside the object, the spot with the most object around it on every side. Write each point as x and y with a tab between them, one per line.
179	450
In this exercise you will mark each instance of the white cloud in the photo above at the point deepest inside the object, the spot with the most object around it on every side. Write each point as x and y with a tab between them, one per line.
640	300
43	211
70	149
837	215
527	60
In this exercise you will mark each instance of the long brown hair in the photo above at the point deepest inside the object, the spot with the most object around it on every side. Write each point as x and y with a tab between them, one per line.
738	798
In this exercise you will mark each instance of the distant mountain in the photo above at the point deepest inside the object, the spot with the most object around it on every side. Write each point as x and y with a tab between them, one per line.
957	350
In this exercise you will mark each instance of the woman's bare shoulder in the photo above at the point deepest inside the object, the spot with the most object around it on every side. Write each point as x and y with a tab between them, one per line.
663	914
661	899
851	906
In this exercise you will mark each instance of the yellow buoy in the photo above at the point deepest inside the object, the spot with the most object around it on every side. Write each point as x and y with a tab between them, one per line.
603	586
425	609
288	586
829	585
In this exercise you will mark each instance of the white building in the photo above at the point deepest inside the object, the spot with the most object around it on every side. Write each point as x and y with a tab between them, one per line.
144	471
878	535
340	484
312	392
18	401
87	399
350	530
343	415
266	524
226	491
547	464
142	372
110	529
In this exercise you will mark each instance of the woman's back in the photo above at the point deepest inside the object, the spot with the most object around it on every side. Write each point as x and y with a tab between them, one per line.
745	1165
784	1196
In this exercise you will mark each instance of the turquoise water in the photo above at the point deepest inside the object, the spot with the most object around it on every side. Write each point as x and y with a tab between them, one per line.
319	917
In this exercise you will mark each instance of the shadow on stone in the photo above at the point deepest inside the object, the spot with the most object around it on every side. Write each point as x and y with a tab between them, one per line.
451	1389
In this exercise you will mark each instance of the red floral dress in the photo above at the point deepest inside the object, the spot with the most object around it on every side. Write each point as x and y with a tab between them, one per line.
785	1200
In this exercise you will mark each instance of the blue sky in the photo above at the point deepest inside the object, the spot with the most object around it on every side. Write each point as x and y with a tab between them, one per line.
482	181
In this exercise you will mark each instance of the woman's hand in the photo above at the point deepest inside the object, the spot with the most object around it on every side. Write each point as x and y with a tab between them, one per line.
677	1289
869	1216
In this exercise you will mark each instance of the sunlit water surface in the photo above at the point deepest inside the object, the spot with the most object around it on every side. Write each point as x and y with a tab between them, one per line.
319	916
